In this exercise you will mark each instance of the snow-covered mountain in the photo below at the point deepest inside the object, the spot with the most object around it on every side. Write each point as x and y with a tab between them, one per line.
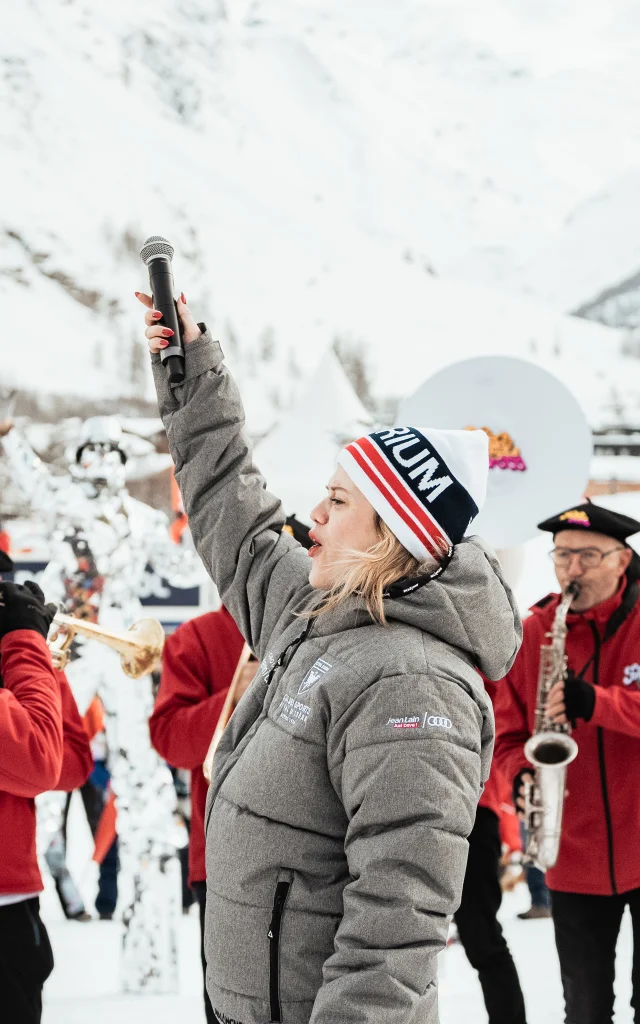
381	173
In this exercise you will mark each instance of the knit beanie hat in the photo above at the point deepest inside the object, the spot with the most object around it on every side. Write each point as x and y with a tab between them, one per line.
426	485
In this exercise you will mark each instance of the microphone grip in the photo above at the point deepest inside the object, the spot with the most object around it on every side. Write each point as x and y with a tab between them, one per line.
161	283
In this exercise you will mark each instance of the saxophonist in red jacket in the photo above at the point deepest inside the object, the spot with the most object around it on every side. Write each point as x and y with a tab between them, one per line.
42	746
597	873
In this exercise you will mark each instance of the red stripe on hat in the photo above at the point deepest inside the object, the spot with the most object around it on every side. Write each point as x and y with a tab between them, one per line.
422	530
405	495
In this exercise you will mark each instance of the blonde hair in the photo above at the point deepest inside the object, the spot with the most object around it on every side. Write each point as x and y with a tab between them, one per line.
369	573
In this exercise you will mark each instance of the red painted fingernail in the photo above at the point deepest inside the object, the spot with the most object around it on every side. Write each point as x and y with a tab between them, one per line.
163	344
167	332
137	295
182	298
156	315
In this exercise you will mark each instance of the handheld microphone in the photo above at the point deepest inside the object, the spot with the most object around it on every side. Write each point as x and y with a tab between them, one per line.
157	254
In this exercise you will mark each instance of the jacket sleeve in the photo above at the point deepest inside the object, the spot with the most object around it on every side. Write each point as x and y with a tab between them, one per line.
236	524
410	795
77	762
30	716
617	708
186	710
512	725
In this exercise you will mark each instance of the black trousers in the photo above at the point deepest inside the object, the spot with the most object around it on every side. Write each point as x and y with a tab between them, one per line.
200	889
26	961
587	930
478	926
93	799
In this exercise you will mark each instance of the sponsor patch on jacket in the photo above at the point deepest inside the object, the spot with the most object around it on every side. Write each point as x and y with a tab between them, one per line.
632	675
293	711
314	675
420	722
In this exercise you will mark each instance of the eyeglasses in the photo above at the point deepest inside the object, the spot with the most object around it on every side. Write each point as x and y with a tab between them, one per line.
590	558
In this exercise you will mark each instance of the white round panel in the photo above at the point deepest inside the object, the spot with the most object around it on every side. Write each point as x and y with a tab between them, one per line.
543	419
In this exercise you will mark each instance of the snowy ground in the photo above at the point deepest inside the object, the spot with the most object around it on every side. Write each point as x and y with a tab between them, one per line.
84	986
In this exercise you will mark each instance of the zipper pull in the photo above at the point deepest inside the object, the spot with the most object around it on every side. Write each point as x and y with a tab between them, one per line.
280	898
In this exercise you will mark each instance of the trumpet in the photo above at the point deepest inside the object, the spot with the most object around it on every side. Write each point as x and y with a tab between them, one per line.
139	647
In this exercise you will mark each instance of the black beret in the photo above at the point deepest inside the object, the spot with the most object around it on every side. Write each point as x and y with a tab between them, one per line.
301	531
6	565
594	518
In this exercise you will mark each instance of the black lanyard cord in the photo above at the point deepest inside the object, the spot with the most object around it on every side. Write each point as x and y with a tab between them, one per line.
290	650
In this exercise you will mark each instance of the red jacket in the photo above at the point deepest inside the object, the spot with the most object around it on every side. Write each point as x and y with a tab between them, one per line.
42	746
493	792
198	664
601	823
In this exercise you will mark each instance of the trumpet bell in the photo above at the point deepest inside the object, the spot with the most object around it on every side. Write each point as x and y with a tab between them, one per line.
147	637
139	647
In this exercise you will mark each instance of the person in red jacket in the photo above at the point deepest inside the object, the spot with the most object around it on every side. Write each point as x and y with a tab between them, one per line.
198	664
37	752
479	930
597	872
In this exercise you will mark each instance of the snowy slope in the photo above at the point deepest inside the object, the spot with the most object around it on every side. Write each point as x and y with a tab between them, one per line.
597	248
316	165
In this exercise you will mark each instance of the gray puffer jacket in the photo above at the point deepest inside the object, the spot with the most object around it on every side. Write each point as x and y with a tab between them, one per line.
347	781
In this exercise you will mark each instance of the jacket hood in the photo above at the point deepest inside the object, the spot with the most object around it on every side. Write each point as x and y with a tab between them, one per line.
470	606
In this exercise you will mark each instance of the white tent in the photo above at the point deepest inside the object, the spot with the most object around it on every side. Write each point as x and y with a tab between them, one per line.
299	456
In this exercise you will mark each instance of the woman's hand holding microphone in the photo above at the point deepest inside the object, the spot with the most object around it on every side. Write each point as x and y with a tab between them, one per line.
157	335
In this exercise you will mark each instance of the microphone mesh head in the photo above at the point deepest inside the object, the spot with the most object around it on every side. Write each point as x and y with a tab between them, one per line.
156	245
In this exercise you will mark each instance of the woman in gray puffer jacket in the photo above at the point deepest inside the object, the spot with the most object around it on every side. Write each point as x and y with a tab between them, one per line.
346	783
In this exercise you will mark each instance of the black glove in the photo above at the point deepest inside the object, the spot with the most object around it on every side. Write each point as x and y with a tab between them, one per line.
23	607
579	698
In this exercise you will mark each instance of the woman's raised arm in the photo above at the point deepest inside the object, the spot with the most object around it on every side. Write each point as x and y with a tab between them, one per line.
235	523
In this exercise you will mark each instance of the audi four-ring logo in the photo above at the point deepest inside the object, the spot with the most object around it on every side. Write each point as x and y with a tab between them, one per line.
444	723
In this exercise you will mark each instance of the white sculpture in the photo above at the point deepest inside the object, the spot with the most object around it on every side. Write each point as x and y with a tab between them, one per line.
101	542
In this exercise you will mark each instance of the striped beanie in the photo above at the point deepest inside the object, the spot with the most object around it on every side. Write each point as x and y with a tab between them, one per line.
426	485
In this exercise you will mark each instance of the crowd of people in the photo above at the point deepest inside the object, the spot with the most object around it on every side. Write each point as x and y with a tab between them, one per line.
356	795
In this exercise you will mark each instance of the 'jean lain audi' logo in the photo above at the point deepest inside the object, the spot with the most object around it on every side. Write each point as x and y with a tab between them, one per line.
439	722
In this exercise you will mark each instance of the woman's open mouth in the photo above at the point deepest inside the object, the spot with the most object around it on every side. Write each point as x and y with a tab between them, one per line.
314	549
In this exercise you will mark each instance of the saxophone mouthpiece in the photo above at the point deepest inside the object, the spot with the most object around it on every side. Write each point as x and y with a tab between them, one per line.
573	590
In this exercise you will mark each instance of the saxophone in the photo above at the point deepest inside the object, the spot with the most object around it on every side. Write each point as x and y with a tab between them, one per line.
550	749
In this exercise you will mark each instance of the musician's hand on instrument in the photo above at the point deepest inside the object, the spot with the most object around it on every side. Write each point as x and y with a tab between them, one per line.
520	782
23	607
246	677
159	336
580	698
556	709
